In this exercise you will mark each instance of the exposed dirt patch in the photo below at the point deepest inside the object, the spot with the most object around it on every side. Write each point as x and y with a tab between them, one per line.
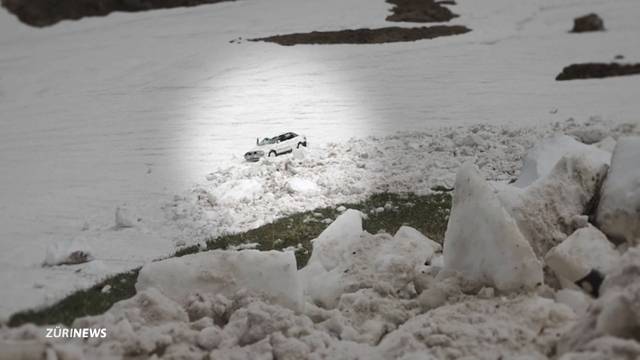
366	36
420	11
48	12
597	70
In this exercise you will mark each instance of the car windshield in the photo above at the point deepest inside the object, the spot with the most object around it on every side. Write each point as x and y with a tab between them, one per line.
267	141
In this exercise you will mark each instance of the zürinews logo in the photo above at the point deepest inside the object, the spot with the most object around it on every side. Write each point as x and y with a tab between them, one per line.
81	333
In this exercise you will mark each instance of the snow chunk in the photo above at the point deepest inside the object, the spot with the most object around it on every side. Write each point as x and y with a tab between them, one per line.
302	186
586	249
67	253
269	274
483	242
124	219
618	213
233	192
542	158
546	210
331	245
607	144
612	322
575	299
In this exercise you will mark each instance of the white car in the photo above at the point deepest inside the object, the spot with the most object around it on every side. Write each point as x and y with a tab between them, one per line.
277	145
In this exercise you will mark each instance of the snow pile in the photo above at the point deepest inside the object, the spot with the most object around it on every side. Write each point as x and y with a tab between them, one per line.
619	208
268	274
483	242
346	259
547	210
541	159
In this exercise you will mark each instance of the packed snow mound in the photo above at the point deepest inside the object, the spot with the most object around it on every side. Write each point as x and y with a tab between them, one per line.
542	158
346	259
271	275
238	191
586	249
551	208
483	242
611	327
619	208
303	186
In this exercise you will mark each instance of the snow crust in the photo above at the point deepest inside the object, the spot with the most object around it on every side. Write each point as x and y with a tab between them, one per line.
619	208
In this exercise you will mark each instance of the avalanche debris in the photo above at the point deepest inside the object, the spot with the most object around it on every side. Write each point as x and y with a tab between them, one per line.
619	209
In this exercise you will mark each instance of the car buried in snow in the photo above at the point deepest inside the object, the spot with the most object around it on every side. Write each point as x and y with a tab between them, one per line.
275	146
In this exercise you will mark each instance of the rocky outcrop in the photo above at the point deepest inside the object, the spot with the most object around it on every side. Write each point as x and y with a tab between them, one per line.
590	22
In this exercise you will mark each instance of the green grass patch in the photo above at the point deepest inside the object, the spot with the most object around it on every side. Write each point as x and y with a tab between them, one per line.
386	212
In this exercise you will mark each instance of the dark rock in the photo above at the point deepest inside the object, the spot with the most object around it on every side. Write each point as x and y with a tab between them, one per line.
48	12
591	22
597	70
366	36
420	11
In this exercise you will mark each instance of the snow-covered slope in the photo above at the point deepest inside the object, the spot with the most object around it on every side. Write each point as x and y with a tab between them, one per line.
130	109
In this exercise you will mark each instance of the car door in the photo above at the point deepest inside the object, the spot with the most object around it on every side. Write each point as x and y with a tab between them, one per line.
284	143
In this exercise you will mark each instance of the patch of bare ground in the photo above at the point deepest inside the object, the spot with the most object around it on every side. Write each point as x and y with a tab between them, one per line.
597	70
366	36
420	11
42	13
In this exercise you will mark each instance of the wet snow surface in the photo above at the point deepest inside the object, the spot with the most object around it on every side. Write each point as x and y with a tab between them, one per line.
150	113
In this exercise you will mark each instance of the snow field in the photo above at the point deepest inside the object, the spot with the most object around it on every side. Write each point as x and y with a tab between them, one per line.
132	109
